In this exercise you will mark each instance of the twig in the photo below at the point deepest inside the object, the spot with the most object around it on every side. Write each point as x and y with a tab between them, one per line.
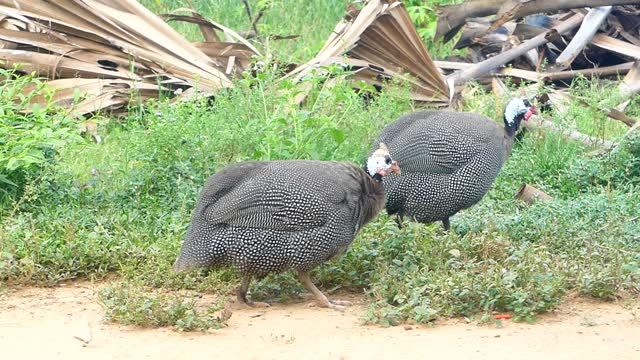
253	20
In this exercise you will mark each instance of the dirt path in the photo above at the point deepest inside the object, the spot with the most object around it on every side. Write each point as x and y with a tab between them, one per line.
41	324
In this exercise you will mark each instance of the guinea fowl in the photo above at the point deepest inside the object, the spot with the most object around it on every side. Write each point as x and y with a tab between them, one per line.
449	160
269	216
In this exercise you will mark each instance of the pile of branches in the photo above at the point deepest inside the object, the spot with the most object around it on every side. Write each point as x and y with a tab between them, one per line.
543	40
546	42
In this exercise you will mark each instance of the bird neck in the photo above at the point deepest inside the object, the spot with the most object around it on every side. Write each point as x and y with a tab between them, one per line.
377	177
511	128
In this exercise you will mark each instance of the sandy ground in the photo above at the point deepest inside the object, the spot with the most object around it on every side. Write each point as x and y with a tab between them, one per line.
37	323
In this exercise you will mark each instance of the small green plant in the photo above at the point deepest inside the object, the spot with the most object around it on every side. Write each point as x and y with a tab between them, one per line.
425	17
30	136
131	305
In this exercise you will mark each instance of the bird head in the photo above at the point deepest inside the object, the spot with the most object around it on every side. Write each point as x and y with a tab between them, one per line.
517	110
380	163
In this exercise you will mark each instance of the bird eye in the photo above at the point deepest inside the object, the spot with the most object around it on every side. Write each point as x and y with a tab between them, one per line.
387	159
526	103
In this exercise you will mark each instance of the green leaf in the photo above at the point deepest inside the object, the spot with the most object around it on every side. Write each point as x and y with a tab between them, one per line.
337	135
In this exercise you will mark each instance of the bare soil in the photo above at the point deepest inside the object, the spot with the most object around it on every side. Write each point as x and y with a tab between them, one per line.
48	323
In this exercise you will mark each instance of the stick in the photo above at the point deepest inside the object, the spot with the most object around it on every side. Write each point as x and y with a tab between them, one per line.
251	19
571	134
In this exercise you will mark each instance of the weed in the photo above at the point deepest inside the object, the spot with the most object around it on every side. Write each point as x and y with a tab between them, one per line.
132	306
28	140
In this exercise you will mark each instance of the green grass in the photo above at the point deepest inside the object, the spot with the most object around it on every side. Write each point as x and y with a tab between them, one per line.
313	19
122	207
130	305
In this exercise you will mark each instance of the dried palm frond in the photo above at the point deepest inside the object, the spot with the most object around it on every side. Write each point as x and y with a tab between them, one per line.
106	48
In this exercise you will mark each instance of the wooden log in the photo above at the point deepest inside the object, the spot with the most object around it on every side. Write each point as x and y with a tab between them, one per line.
590	25
530	194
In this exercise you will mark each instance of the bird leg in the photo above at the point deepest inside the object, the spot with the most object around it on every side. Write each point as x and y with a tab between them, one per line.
399	221
242	294
323	301
445	224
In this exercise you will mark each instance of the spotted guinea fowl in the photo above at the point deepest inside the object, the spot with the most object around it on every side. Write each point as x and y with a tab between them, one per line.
269	216
449	160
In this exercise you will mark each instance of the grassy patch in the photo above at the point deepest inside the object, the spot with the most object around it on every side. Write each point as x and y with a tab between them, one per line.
131	305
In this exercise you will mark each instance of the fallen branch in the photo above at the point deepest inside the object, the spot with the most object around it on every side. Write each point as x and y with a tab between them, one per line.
587	30
617	46
614	70
556	97
499	60
571	134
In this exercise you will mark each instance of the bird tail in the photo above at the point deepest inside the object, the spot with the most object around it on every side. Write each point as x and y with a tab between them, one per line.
180	265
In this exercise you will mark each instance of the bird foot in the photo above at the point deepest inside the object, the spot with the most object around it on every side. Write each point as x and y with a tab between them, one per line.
257	304
341	302
339	305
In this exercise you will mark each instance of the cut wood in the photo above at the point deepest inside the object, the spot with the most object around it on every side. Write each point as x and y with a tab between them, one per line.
587	30
617	46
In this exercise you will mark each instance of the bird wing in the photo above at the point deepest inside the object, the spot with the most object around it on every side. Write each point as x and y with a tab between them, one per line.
420	142
283	195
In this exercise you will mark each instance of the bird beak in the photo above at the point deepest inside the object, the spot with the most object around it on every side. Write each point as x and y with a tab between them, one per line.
395	168
532	111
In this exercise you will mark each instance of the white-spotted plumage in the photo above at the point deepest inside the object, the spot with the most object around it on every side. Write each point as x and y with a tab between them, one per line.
269	216
449	160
